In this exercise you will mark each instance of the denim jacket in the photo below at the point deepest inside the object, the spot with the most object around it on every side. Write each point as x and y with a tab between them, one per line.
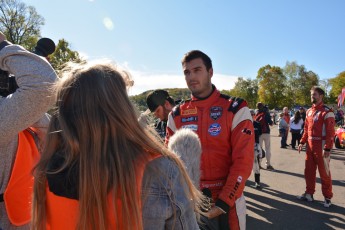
165	204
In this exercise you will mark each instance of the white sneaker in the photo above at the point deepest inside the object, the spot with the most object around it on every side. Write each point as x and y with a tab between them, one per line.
327	203
257	185
306	196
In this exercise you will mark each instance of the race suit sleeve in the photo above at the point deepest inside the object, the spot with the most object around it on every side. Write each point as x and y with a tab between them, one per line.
34	76
329	128
242	148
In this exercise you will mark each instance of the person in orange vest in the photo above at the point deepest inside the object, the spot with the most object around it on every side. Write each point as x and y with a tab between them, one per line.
101	169
25	96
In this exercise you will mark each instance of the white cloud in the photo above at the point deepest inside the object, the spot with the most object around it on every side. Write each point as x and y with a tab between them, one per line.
108	23
83	55
144	81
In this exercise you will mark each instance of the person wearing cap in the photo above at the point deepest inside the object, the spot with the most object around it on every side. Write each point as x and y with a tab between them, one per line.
160	104
225	128
318	135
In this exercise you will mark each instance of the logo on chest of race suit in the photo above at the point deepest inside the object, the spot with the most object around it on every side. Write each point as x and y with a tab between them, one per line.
214	129
234	104
192	127
189	119
189	111
316	116
216	112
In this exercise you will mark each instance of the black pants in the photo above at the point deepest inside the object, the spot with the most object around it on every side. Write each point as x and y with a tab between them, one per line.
296	136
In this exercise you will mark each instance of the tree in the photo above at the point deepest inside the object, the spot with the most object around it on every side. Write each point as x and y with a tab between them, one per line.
271	81
63	54
299	83
337	84
20	23
246	89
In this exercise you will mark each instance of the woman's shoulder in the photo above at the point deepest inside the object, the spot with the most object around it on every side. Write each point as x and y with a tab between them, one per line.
163	164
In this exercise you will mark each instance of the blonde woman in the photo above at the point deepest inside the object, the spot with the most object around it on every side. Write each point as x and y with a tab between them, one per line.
101	169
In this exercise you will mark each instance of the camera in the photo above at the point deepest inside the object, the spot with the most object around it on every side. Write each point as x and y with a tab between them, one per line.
8	84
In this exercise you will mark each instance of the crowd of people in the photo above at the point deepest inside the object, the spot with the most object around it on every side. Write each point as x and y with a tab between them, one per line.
91	163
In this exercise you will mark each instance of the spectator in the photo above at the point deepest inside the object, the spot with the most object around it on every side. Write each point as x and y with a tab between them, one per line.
257	151
225	129
287	119
161	104
23	125
296	124
282	126
302	112
99	162
264	118
319	134
340	117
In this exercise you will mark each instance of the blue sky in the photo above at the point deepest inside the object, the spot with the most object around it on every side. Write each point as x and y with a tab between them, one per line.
149	37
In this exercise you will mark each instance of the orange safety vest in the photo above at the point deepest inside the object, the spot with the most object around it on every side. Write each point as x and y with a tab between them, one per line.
62	212
18	193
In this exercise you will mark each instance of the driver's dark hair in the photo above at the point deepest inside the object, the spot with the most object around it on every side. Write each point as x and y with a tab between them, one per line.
318	89
194	54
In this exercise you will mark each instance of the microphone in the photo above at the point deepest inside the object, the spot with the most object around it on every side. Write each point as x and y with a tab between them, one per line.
8	84
44	47
186	144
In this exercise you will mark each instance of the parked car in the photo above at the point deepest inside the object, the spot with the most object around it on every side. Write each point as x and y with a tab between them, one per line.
339	138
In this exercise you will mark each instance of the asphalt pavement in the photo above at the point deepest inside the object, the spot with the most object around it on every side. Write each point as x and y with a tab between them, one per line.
275	205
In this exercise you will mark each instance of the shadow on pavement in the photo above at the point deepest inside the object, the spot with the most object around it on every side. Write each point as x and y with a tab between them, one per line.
318	180
299	215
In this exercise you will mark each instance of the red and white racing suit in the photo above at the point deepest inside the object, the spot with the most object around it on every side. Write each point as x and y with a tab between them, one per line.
318	134
225	129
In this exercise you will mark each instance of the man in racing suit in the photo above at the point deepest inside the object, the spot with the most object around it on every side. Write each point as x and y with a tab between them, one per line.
318	134
224	126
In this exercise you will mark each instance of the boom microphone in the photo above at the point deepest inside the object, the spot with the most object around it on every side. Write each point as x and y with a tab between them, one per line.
44	47
186	144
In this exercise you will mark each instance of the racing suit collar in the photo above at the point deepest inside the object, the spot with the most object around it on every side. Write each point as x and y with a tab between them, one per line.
318	106
204	98
205	102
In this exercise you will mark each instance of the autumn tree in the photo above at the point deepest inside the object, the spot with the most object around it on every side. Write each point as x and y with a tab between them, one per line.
20	23
272	84
246	89
299	83
337	83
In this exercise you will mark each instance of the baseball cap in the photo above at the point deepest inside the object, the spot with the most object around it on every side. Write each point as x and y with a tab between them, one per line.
156	98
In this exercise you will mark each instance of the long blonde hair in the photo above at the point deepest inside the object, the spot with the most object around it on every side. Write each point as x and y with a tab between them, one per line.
95	124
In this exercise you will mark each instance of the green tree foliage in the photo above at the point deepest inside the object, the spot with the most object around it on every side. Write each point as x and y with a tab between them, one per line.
337	84
272	83
63	54
20	23
299	83
246	89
